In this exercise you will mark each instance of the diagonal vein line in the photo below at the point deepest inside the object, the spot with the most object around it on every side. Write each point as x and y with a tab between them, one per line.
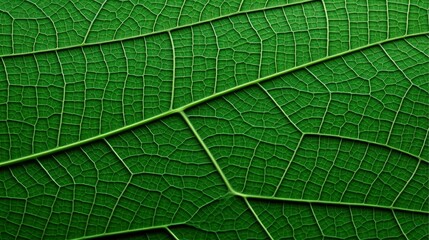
257	218
156	32
367	142
172	233
207	150
280	108
288	165
331	203
197	102
399	225
316	220
136	230
92	22
406	184
173	49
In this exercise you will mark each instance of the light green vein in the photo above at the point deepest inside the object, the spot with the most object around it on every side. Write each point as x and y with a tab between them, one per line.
173	83
156	32
172	233
257	218
310	201
207	150
192	104
136	230
92	22
367	142
399	225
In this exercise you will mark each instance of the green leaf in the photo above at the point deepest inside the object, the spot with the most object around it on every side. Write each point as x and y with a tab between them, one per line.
214	119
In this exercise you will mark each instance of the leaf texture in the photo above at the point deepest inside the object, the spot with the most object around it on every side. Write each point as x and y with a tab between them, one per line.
214	119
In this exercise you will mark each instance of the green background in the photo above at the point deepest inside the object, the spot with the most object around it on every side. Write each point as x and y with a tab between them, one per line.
214	119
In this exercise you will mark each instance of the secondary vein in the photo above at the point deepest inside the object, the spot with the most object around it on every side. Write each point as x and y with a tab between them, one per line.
154	32
197	102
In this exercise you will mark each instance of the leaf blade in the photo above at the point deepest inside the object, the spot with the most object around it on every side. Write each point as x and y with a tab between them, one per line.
319	104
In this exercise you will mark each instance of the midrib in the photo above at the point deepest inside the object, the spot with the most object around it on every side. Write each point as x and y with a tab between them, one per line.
202	100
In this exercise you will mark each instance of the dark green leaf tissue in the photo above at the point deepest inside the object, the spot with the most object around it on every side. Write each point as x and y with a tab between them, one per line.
214	119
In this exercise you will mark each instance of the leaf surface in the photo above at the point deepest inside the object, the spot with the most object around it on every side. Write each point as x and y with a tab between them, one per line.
214	119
